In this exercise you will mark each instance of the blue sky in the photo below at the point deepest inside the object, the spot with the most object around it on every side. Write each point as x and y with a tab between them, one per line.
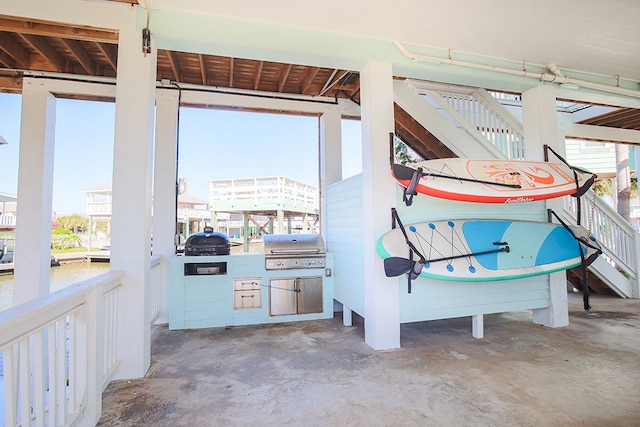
213	144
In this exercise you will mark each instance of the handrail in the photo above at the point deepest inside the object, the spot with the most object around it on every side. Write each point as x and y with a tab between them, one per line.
59	353
616	236
480	114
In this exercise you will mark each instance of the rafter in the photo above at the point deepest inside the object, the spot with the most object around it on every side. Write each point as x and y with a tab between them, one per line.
49	29
46	51
257	75
308	81
110	52
286	69
18	54
173	62
81	55
203	69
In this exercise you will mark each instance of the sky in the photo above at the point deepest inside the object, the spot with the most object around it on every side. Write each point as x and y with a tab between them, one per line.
213	145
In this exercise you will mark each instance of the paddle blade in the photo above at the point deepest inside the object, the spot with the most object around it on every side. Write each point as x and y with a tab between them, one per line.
396	266
402	172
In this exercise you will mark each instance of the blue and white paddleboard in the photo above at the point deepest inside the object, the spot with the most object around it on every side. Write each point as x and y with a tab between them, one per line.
508	249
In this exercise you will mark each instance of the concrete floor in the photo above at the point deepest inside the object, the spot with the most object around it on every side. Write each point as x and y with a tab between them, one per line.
320	373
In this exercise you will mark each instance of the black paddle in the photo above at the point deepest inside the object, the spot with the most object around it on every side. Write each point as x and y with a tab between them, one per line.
395	266
405	173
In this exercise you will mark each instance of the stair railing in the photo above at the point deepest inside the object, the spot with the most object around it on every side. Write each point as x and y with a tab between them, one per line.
480	114
616	236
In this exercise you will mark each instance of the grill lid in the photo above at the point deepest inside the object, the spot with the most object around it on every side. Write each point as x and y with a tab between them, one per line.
276	245
207	242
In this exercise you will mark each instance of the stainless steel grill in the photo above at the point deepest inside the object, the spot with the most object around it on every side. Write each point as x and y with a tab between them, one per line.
293	251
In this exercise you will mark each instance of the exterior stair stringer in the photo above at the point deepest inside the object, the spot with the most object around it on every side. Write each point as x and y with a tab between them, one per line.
615	280
459	141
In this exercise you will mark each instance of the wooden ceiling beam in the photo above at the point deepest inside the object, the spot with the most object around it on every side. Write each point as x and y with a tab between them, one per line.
203	68
231	71
80	54
51	29
110	52
286	69
175	67
11	84
16	52
46	51
308	81
257	75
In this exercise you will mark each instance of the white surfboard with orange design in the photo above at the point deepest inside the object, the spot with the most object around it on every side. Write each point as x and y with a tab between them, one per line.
492	180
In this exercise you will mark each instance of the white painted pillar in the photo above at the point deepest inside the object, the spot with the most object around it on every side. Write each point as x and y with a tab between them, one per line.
32	253
540	121
477	326
381	299
131	207
164	188
635	284
330	159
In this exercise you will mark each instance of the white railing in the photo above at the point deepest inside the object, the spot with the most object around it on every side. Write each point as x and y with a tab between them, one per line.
616	236
279	190
191	213
8	220
60	353
488	118
99	208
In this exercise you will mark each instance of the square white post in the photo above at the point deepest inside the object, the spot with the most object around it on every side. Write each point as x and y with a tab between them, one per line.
477	326
32	255
381	296
541	127
164	188
131	207
330	159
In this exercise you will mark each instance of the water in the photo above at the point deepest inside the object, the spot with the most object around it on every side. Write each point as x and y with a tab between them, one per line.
61	277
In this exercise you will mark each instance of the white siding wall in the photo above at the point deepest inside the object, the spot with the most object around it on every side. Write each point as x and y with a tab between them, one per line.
345	240
429	299
597	157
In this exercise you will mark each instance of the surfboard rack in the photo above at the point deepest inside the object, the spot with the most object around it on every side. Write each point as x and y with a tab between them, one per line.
585	261
397	266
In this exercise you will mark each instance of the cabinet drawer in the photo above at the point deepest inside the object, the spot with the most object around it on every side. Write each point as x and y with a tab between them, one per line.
247	284
247	299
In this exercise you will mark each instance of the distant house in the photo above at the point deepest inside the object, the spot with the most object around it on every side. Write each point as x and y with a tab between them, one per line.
8	212
600	158
192	213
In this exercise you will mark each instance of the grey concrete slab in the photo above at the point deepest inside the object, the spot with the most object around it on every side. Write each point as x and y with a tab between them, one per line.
320	373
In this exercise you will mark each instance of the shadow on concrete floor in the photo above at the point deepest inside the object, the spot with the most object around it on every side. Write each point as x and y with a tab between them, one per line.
320	373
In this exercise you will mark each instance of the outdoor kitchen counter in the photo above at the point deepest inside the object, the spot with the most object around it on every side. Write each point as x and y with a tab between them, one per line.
237	289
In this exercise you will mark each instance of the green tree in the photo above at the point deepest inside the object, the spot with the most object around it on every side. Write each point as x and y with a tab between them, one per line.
403	153
74	223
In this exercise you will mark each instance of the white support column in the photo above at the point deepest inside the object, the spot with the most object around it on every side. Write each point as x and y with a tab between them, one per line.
32	254
330	159
635	284
477	326
541	127
381	299
131	207
347	316
164	187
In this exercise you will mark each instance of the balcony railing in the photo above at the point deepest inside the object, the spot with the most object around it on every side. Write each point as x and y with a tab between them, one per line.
59	354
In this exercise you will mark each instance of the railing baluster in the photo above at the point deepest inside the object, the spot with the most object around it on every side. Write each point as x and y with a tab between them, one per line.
52	365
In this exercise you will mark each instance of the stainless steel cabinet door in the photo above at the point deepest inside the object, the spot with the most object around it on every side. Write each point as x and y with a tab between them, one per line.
282	296
310	295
